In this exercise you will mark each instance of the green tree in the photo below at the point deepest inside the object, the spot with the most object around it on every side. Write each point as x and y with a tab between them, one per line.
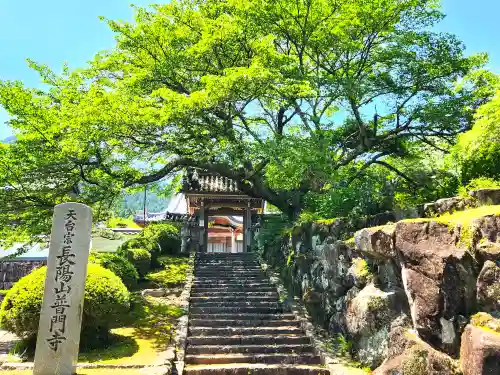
478	150
285	97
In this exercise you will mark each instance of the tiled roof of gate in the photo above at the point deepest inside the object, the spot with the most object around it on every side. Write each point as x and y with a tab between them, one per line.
196	181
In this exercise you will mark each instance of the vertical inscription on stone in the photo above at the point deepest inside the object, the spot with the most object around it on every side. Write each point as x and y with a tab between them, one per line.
60	319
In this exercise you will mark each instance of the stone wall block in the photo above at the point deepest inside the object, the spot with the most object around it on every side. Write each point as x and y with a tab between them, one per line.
378	242
488	287
480	351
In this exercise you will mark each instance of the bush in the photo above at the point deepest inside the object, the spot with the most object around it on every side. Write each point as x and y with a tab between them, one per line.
140	258
173	274
106	301
135	243
157	239
165	237
476	184
119	265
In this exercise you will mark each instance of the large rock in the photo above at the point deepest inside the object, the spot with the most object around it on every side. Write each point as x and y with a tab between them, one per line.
480	350
445	205
486	196
439	281
408	355
378	241
488	287
486	229
368	322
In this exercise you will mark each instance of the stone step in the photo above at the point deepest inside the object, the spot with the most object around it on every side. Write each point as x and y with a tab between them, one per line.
228	267
249	340
235	286
232	289
232	331
236	310
229	298
218	349
254	369
222	277
271	358
218	275
235	304
231	278
225	259
221	283
211	322
244	316
235	294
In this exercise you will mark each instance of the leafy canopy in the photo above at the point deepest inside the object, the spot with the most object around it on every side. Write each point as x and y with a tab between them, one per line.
286	97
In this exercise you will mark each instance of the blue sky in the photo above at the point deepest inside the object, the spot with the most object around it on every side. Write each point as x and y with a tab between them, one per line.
55	31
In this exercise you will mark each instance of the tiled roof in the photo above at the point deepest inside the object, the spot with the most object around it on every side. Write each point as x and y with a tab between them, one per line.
196	181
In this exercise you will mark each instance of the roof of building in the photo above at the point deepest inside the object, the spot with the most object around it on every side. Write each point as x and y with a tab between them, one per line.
196	181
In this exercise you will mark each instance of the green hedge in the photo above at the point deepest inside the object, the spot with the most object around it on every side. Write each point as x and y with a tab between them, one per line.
157	239
166	237
140	258
106	301
119	265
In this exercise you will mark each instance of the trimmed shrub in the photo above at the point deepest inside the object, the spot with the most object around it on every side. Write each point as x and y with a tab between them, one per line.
140	258
106	301
119	265
135	243
158	239
166	237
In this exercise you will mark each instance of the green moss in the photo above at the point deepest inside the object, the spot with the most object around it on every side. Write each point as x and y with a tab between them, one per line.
416	362
360	268
172	275
376	303
485	321
326	221
350	242
463	218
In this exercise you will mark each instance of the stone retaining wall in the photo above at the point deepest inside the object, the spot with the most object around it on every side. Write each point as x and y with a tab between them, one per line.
12	271
412	279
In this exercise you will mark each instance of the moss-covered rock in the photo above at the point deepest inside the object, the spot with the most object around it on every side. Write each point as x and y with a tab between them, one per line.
480	349
488	287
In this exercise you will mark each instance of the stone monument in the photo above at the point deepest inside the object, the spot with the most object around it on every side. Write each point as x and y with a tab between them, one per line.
61	315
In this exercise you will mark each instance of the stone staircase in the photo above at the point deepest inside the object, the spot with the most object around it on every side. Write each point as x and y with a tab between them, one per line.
237	325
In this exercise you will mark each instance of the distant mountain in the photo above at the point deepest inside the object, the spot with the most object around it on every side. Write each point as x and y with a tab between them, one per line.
10	139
